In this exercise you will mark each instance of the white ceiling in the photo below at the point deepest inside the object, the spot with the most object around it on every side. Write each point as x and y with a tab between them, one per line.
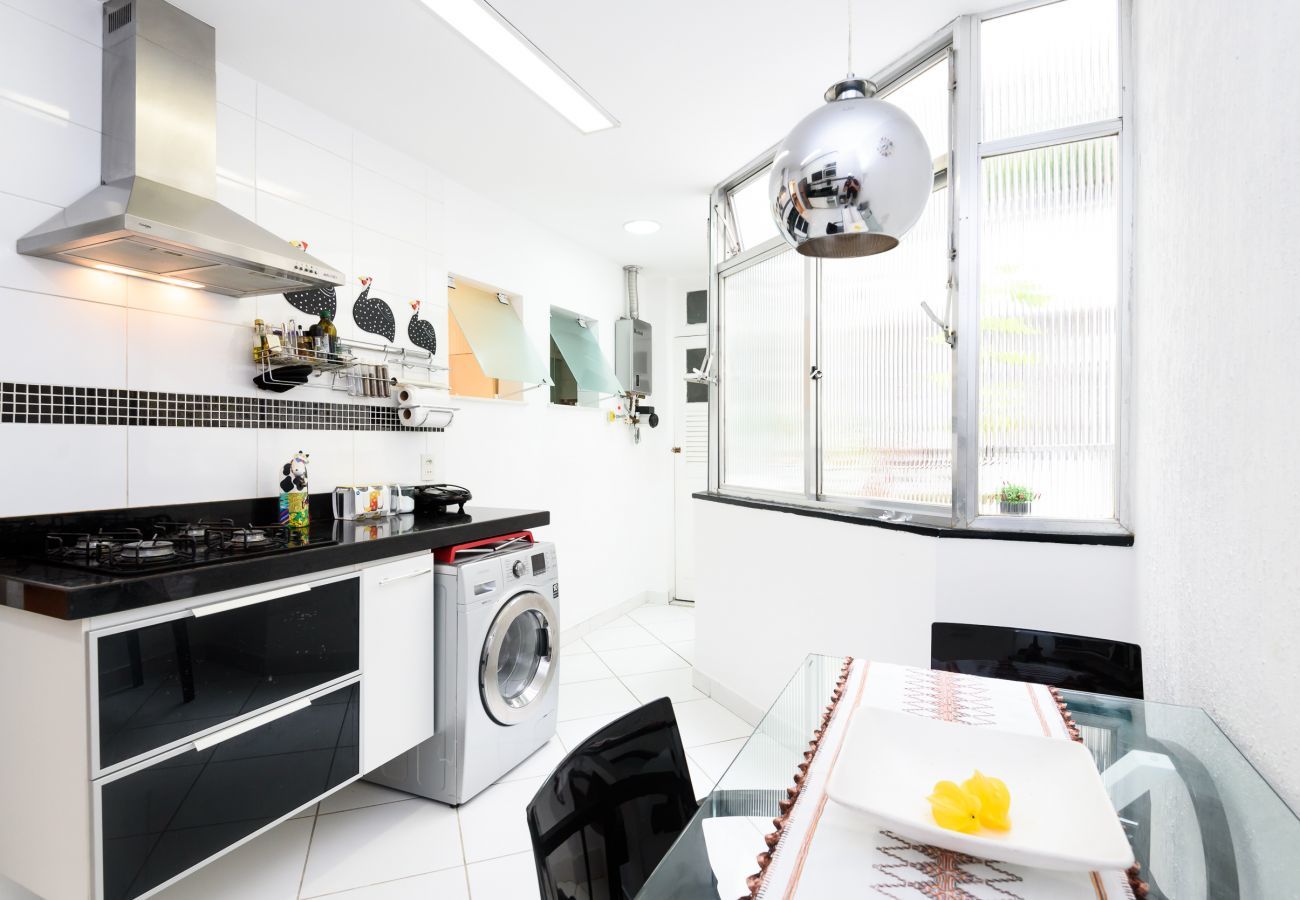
700	87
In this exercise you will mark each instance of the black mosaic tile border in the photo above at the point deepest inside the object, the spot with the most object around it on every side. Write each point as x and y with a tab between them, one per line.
56	404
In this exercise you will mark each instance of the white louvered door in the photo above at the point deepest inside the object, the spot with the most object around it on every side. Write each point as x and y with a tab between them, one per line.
691	455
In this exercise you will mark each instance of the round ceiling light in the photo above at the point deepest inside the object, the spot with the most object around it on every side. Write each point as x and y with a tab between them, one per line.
852	177
641	226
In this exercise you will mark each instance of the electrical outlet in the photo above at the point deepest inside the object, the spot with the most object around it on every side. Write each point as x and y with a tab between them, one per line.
426	467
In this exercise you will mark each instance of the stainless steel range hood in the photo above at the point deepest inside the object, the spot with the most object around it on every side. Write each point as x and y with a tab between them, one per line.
155	214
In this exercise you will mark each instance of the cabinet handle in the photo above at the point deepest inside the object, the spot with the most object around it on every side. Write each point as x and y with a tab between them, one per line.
415	574
267	718
227	605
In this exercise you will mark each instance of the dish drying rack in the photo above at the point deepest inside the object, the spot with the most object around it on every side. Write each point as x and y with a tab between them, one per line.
344	366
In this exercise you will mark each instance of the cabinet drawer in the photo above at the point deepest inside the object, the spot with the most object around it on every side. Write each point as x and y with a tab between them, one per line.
162	682
160	819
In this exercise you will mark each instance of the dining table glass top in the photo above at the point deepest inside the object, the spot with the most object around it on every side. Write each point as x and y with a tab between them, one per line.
1203	823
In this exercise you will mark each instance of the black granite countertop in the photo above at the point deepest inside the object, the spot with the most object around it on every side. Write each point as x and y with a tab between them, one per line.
66	593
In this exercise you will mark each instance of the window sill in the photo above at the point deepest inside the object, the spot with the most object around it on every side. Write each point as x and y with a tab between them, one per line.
1124	539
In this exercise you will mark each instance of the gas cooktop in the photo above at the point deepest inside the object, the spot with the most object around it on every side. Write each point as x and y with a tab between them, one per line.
164	545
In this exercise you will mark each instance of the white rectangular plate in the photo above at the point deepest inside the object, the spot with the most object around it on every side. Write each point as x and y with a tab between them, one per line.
1061	817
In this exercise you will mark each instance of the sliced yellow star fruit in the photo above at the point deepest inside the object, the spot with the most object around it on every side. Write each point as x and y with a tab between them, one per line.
994	799
954	808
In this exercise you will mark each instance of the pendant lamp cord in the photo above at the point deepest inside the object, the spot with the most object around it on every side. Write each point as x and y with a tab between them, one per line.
850	54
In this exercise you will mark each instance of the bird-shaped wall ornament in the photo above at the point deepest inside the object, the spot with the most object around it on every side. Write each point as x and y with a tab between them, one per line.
373	315
421	331
313	301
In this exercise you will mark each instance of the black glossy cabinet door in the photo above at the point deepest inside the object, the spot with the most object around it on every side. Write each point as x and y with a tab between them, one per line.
162	819
164	682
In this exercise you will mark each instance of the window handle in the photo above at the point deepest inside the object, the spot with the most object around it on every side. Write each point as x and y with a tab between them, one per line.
815	374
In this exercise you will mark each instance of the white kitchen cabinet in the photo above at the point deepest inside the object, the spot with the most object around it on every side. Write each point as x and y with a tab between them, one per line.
397	639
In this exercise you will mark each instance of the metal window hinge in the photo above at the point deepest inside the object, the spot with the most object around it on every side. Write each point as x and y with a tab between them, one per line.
815	373
949	333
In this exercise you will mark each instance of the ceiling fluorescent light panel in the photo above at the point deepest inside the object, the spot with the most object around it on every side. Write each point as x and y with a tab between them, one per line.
484	27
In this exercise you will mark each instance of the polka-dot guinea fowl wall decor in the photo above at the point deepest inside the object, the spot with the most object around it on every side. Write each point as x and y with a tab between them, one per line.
313	301
373	315
420	331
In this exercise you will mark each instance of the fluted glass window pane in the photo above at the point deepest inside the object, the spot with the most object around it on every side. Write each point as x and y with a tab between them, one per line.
753	220
1049	309
924	97
887	371
1049	67
764	377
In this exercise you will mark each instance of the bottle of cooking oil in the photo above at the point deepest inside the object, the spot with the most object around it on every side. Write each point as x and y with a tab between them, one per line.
331	335
261	343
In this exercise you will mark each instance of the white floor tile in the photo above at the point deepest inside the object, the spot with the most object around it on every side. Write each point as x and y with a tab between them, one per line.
657	614
574	732
616	637
702	783
713	759
541	763
594	698
684	649
668	632
361	847
638	660
269	867
575	647
584	667
508	878
305	814
494	823
449	884
675	684
359	794
621	622
708	722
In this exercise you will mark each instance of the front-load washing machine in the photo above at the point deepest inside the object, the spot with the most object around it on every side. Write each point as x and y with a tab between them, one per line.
497	642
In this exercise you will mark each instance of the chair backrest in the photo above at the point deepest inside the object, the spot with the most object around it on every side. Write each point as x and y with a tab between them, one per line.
1041	657
610	811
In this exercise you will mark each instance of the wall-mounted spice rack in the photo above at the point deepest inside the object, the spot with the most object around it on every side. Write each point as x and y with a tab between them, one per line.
352	368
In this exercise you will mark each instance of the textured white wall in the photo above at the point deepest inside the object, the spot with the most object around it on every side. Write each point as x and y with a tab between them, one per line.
1217	482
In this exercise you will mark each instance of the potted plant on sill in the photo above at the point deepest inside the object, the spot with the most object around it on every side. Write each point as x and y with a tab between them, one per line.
1015	499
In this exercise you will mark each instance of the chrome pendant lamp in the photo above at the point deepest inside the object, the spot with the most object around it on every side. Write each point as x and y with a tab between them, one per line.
853	176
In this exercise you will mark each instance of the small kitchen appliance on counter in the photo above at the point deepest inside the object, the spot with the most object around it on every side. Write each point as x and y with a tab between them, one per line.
365	501
436	499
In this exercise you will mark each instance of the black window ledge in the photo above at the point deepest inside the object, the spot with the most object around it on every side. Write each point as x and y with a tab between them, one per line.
939	531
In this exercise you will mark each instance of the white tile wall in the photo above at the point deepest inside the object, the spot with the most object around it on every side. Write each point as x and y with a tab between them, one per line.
54	70
281	163
55	161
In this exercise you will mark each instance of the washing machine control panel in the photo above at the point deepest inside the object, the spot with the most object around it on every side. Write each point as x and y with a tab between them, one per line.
534	564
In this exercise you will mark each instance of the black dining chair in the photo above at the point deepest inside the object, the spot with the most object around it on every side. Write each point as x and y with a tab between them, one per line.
612	808
1042	657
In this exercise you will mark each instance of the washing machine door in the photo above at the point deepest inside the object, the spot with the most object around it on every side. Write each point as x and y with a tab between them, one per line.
518	663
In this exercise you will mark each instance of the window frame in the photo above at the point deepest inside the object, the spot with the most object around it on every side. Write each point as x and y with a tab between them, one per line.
959	41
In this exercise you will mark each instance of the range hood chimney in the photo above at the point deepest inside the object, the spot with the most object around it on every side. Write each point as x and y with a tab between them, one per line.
155	213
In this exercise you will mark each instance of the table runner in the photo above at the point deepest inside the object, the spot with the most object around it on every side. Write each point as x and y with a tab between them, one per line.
821	850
